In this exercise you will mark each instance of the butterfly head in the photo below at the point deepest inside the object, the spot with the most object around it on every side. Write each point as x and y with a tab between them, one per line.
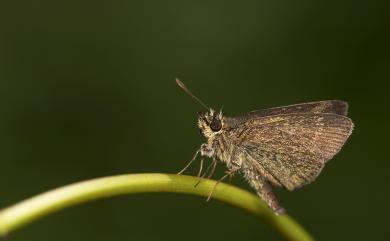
210	122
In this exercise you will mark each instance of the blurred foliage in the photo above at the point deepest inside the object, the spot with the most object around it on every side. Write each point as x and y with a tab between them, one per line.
87	89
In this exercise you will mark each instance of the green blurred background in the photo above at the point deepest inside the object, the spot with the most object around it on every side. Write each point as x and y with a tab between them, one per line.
87	90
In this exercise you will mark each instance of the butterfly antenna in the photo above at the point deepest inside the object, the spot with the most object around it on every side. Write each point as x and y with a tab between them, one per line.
221	110
183	87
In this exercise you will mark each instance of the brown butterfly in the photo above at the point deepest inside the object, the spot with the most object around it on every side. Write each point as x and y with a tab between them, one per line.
282	147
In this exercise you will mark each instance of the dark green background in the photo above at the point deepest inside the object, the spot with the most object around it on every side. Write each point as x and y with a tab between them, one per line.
87	90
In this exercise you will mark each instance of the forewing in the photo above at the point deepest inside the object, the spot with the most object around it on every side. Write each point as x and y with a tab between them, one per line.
293	148
327	106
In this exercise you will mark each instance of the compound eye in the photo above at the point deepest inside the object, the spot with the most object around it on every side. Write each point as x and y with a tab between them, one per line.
216	125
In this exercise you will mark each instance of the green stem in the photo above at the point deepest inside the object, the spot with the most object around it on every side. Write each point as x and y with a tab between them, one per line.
44	204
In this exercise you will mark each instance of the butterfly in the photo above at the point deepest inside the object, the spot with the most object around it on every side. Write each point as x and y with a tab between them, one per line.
284	147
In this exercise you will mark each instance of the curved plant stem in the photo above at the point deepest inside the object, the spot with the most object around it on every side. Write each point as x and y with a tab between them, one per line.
44	204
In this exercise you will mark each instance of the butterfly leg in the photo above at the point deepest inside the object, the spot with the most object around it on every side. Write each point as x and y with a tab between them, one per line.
189	163
229	173
214	163
200	168
212	166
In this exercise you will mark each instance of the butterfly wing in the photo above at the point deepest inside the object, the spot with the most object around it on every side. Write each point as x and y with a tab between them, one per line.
293	148
326	106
